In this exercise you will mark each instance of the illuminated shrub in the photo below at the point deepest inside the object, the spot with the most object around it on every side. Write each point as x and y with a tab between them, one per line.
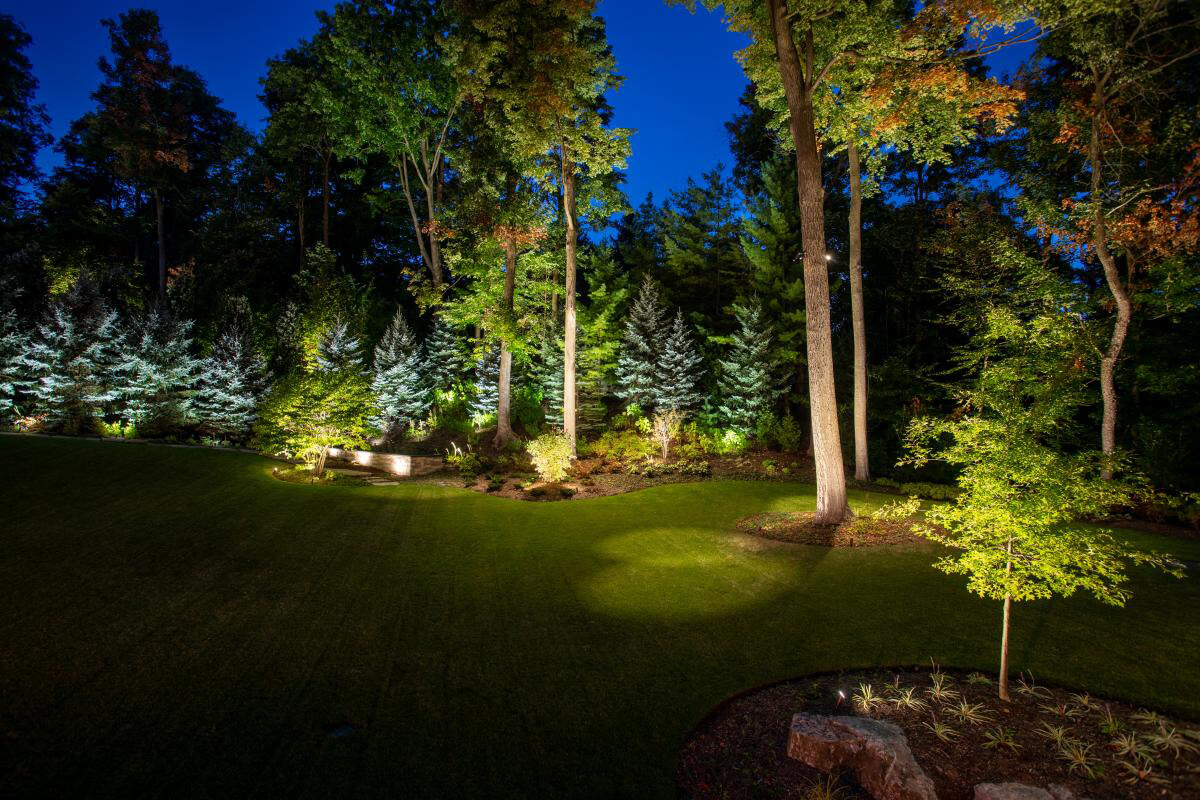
551	456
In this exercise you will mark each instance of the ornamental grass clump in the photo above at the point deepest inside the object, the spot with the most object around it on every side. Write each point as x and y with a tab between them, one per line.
551	456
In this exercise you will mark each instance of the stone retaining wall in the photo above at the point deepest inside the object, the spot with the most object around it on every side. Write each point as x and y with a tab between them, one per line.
394	463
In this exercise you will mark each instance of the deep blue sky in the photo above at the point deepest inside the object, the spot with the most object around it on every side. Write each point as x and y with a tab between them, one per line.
681	82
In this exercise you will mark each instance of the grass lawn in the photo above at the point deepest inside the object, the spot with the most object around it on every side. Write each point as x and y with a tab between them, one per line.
176	622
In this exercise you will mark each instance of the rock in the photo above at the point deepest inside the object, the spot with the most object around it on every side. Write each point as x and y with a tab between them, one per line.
1010	791
875	751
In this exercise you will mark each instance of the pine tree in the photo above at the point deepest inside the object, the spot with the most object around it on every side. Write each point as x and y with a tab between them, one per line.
487	380
748	384
680	370
339	349
550	376
446	356
13	345
156	370
70	361
397	379
637	365
229	386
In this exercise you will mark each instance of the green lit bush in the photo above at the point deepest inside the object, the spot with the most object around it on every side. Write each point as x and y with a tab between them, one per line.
551	456
628	446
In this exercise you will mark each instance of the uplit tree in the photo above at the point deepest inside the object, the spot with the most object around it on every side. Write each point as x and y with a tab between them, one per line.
398	375
680	370
446	355
1016	523
486	382
156	371
229	386
339	349
70	361
14	343
748	383
641	348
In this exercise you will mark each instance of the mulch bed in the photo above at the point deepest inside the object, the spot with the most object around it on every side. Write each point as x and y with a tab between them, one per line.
800	528
740	750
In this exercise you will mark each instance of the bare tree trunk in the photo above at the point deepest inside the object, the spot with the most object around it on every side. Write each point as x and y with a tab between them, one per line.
832	506
504	432
162	247
325	198
320	469
568	174
1108	361
862	466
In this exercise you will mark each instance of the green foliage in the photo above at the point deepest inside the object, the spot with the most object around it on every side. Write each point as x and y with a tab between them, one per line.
117	430
157	372
467	462
229	386
306	413
551	456
748	384
641	349
397	376
13	344
680	371
627	446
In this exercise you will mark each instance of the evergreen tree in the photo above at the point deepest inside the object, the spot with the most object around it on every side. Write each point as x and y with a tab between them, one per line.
487	382
339	349
748	385
599	337
13	345
397	378
156	370
446	356
70	361
680	370
550	376
229	386
637	365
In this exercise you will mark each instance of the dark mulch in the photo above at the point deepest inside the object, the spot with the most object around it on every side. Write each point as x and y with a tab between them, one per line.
800	528
740	750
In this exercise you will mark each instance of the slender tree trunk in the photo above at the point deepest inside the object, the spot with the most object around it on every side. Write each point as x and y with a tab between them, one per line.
325	199
162	247
862	465
1004	632
1108	361
320	470
568	176
827	446
504	432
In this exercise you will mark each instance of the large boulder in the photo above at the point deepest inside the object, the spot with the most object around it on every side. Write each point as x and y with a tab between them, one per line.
875	751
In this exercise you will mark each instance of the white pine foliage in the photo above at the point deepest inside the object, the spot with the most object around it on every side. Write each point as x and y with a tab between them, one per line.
397	378
641	348
748	385
229	386
680	370
70	361
339	349
13	372
157	372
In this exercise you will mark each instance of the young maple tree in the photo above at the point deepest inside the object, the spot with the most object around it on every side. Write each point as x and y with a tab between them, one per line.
1016	524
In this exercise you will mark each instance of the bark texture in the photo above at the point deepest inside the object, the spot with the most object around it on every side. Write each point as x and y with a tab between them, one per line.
827	447
568	169
862	465
504	432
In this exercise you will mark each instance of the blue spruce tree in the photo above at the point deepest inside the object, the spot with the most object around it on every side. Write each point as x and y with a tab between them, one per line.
397	378
70	362
156	371
641	348
680	370
487	382
339	349
229	387
550	375
748	376
14	344
446	356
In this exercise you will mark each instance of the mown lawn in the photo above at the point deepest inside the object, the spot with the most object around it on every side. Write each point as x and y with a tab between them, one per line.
178	623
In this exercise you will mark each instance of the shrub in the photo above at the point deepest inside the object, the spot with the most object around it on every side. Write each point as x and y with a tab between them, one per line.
624	445
551	455
666	428
730	443
930	491
465	461
495	484
788	435
694	468
117	430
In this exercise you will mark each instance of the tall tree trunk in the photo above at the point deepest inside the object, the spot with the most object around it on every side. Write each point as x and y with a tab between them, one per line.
862	466
504	432
1108	361
325	198
568	178
1004	632
162	247
827	447
320	468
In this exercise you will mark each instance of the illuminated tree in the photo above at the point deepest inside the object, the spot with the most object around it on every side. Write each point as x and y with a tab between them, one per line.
156	371
680	370
13	345
229	386
306	413
446	355
748	384
641	348
397	376
339	349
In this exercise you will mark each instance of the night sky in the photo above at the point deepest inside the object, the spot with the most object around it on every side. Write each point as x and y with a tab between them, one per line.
681	82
